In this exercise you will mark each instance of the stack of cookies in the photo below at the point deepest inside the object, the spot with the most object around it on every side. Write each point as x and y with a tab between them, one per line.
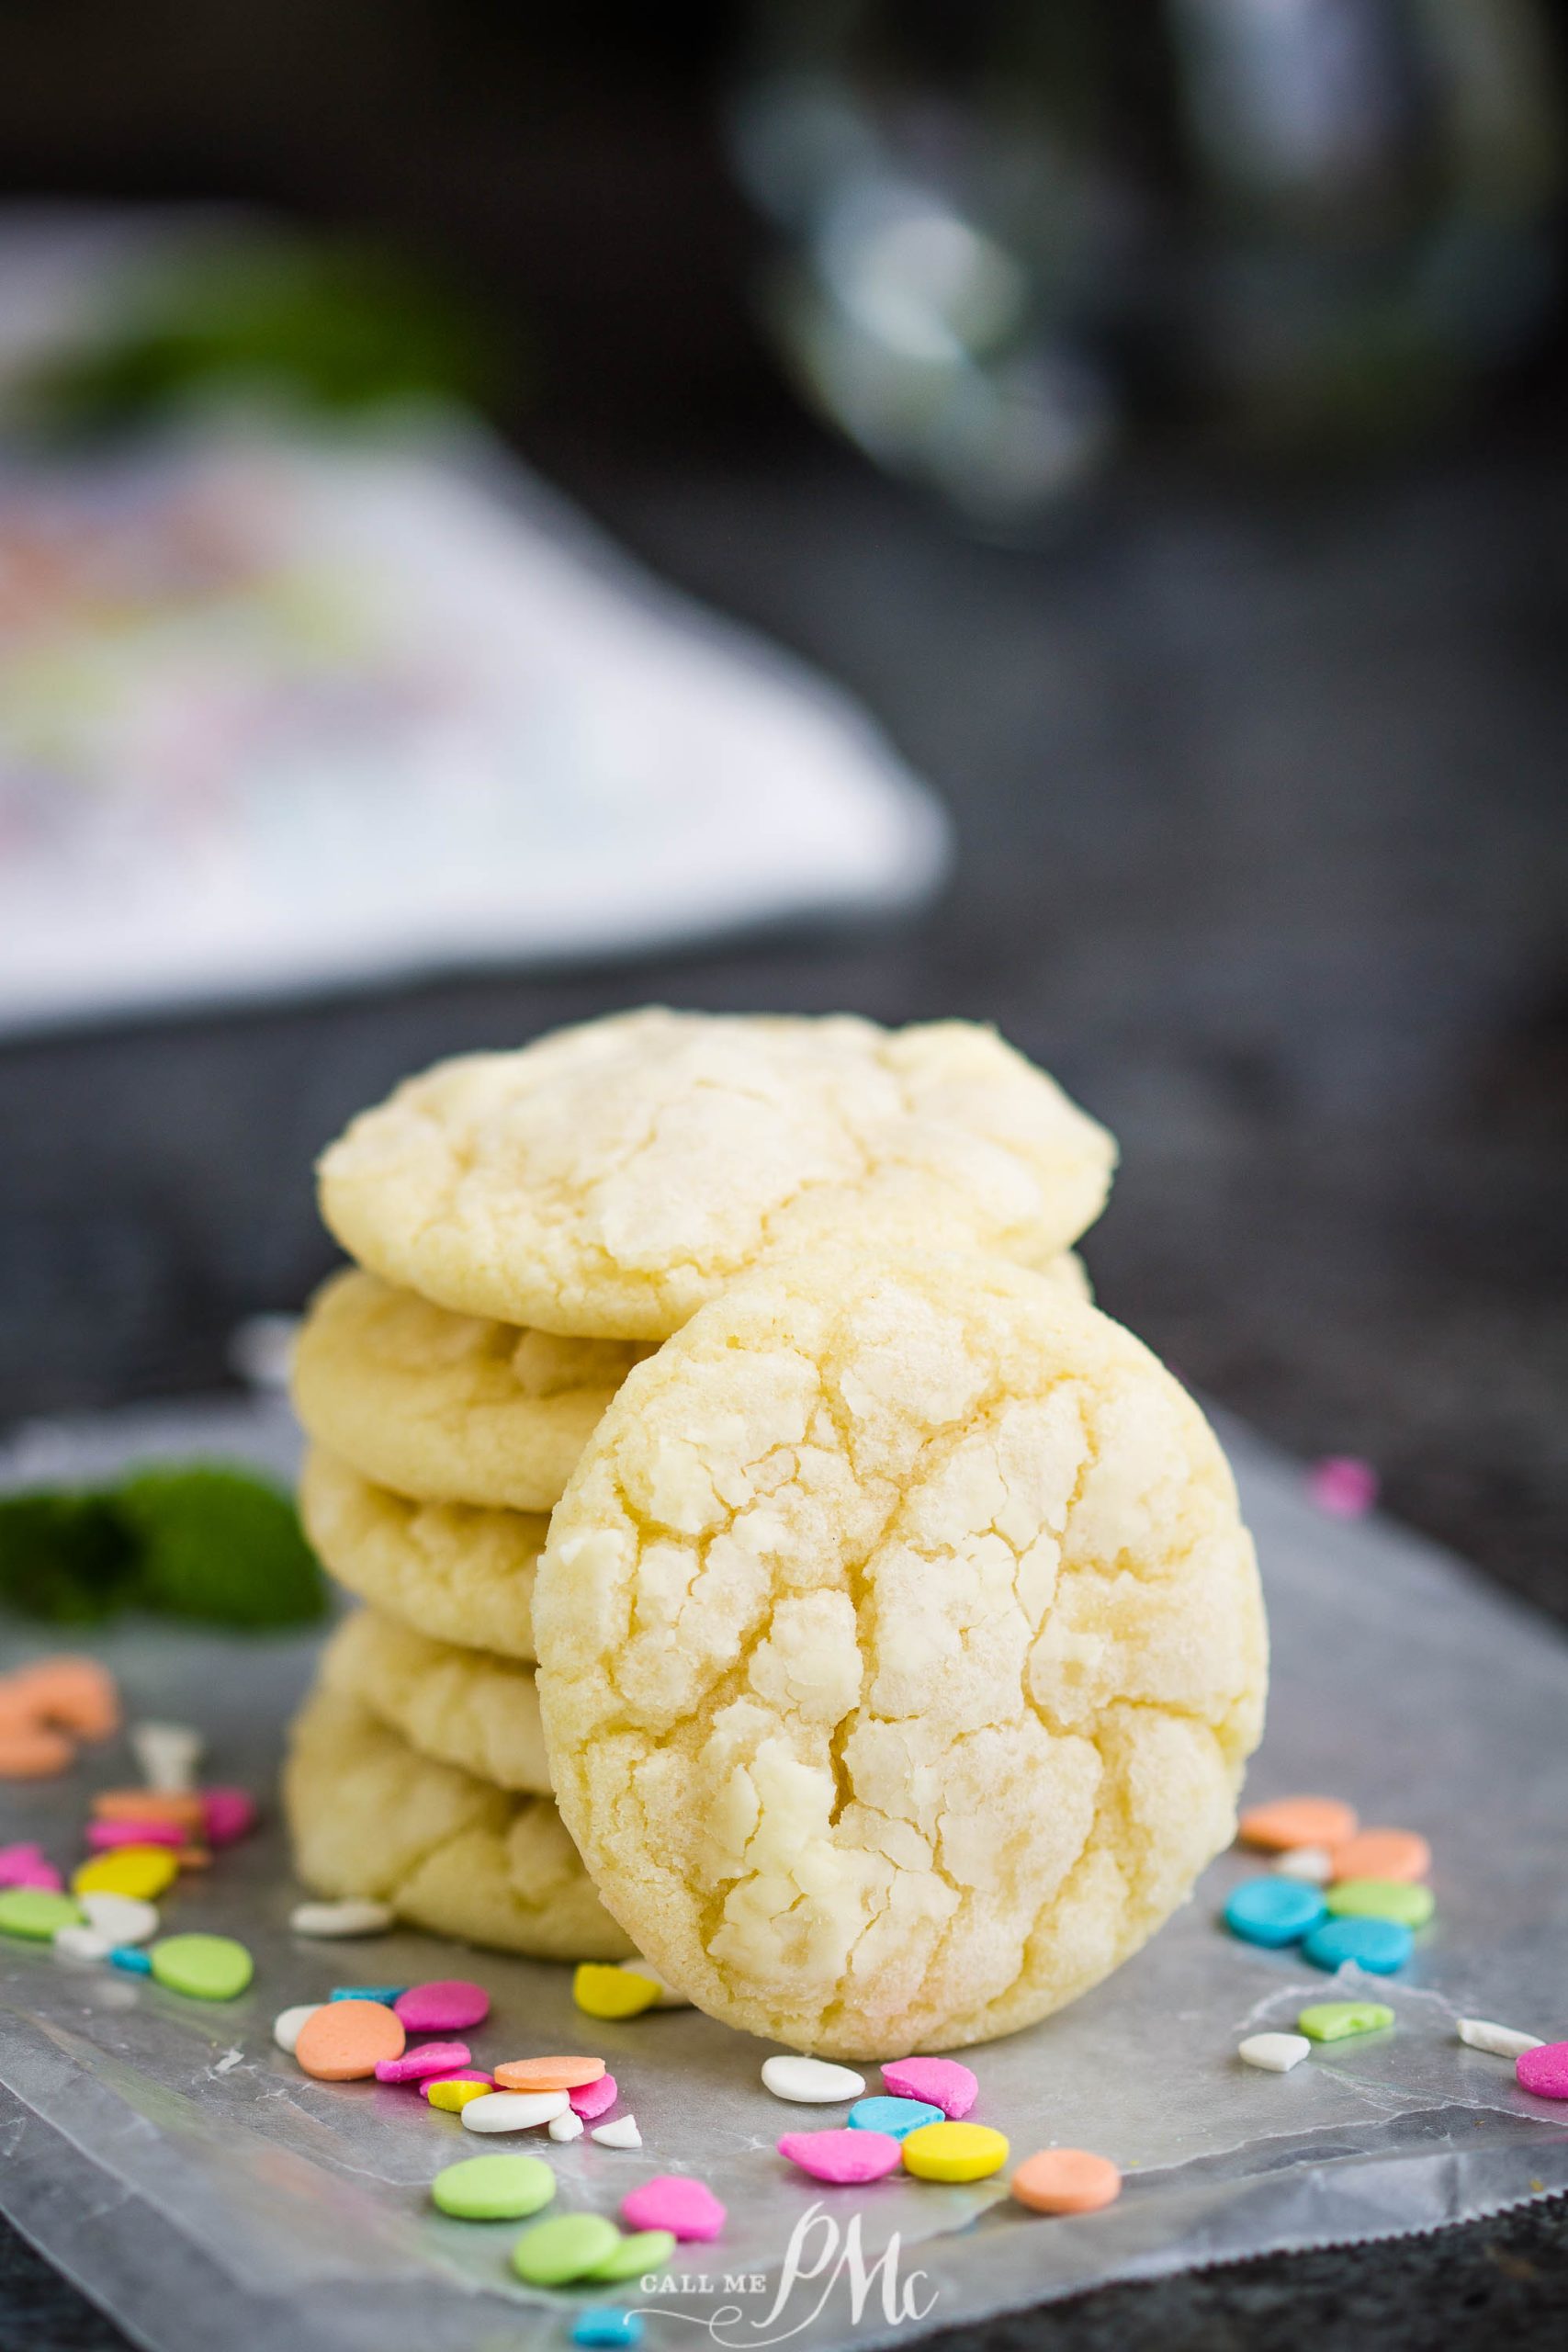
725	1451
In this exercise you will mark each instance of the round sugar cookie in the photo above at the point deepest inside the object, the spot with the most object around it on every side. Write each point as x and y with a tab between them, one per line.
460	1707
608	1180
900	1648
453	1570
449	1407
368	1817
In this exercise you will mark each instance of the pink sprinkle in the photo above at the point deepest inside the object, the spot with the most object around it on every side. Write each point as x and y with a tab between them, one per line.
104	1835
429	2058
20	1868
229	1813
942	2081
843	2155
449	2005
463	2075
1343	1486
1544	2071
674	2201
590	2100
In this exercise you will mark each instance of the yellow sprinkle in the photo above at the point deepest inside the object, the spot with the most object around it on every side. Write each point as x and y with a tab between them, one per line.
613	1992
955	2152
453	2097
143	1871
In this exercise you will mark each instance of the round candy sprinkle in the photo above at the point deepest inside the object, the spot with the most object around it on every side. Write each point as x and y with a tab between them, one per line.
811	2082
566	2127
589	2099
35	1913
1066	2180
451	2093
142	1870
512	2110
81	1943
386	1994
1383	1853
1343	1486
605	1992
897	2117
429	2058
106	1837
622	2133
604	2326
1297	1821
843	2156
942	2081
1380	1946
227	1815
549	2074
356	1915
30	1751
1543	2070
674	2201
132	1958
1272	1911
77	1693
554	2253
147	1804
1336	2021
630	2256
1500	2040
668	1997
207	1968
167	1755
447	2005
124	1918
1313	1863
343	2041
493	2188
1380	1898
285	2024
953	2151
1275	2052
27	1865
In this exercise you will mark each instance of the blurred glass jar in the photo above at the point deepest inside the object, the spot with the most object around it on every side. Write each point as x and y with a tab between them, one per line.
1017	232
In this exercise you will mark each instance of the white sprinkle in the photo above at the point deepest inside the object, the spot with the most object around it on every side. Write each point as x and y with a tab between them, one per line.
668	1997
622	2133
261	1348
566	2127
811	2082
1501	2040
229	2060
123	1918
513	2111
354	1916
287	2024
167	1755
1313	1863
81	1943
1275	2052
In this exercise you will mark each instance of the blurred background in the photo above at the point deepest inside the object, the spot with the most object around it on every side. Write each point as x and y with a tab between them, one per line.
1152	412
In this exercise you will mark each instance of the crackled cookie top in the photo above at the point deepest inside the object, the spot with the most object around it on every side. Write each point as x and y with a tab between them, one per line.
609	1180
461	1706
449	1407
452	1570
900	1646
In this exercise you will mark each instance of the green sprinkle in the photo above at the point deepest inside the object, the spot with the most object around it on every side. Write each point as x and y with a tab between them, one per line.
208	1968
1335	2020
1380	1898
554	2253
643	2250
493	2188
34	1912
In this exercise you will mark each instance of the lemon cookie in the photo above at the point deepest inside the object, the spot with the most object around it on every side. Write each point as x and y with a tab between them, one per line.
367	1815
444	1407
900	1648
452	1570
461	1706
610	1179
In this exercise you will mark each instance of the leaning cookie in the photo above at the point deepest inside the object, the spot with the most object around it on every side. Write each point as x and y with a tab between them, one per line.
461	1706
609	1180
900	1649
367	1815
449	1407
458	1573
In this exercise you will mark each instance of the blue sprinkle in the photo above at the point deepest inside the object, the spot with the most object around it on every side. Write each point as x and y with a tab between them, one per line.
385	1993
897	2117
1273	1911
603	2323
130	1957
1380	1946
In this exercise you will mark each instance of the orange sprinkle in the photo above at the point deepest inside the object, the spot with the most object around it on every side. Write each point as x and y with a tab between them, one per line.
1383	1853
148	1804
343	2041
549	2074
1066	2180
193	1858
33	1752
74	1693
1298	1821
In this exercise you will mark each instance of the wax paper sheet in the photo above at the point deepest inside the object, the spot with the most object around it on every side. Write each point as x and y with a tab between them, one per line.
174	2163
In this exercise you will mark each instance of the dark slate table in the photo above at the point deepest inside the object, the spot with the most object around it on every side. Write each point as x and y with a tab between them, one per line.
1261	811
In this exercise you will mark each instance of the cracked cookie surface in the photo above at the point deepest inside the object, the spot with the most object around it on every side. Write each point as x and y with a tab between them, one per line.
367	1815
608	1180
901	1647
453	1570
449	1407
461	1706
